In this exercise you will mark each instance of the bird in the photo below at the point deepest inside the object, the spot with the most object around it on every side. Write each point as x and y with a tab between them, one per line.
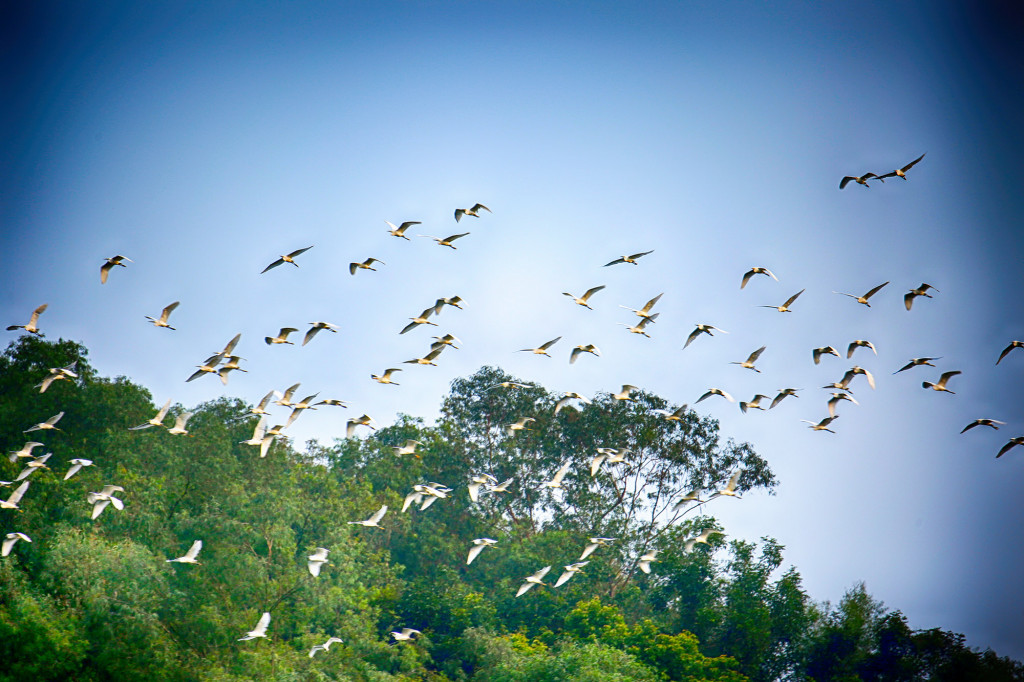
753	404
501	487
373	521
593	544
32	326
179	424
901	172
730	488
209	367
702	538
405	635
100	500
1013	344
582	300
531	580
408	448
364	420
258	433
702	329
834	400
676	415
261	407
33	466
823	424
399	231
863	299
824	350
26	451
640	326
231	365
10	540
474	211
447	241
588	348
908	298
325	646
427	359
994	423
12	501
751	359
162	320
478	546
48	425
297	408
854	371
782	395
385	378
941	384
315	329
285	399
260	630
644	564
784	308
317	559
543	348
446	340
916	362
519	425
509	384
287	259
570	395
629	259
477	482
282	337
453	301
55	375
365	265
188	557
716	391
110	264
862	180
859	343
624	393
607	456
1013	442
421	319
643	312
756	271
556	480
570	571
684	501
228	349
76	466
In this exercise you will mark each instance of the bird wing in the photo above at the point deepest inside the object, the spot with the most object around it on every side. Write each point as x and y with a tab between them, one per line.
98	507
875	290
756	354
564	578
310	334
746	278
792	298
261	627
379	514
273	265
455	236
524	588
193	551
18	493
650	303
162	412
591	291
352	267
555	340
560	474
1006	351
295	253
1006	448
911	164
617	260
845	181
474	552
477	207
642	253
168	310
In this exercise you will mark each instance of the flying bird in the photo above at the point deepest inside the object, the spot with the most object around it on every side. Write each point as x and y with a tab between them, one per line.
474	211
824	350
701	329
994	423
730	488
35	465
751	359
285	400
716	391
407	448
570	395
519	425
179	425
12	501
26	451
784	308
190	556
422	318
901	172
478	482
582	300
1014	442
287	259
556	480
76	466
676	415
454	302
862	180
644	564
643	312
607	456
702	538
100	500
859	343
260	630
162	320
629	259
317	559
916	362
478	546
543	348
365	265
588	348
364	420
373	521
823	424
405	635
593	544
531	580
783	394
941	384
32	326
58	373
427	359
756	271
110	264
447	241
1006	351
400	230
834	400
683	502
385	378
315	329
863	299
624	393
155	421
854	371
10	540
570	571
48	425
753	404
641	325
908	298
325	646
282	337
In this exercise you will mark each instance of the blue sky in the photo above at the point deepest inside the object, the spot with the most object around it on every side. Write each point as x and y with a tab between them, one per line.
203	140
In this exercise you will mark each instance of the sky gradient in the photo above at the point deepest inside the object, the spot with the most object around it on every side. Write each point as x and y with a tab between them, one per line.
203	140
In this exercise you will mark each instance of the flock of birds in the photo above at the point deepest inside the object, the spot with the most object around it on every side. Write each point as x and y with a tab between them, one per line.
426	494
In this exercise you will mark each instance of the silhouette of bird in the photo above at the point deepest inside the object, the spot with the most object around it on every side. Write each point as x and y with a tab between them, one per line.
400	230
702	329
446	241
854	371
588	348
783	394
427	359
385	378
162	320
1006	351
641	325
836	397
901	172
543	348
422	318
784	308
751	359
287	259
823	424
315	329
824	350
282	337
32	326
454	302
863	299
446	340
629	259
474	211
756	271
582	300
1014	442
753	404
859	343
716	391
862	180
941	384
908	298
110	264
916	362
994	423
365	265
643	312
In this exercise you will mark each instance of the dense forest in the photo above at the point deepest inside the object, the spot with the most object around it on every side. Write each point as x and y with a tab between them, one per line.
98	599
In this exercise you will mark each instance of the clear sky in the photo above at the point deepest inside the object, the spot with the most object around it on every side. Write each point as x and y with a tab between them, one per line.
203	140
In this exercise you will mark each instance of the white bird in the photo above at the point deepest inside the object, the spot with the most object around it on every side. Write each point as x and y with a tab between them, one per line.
756	271
643	312
676	415
100	500
446	340
478	546
473	211
364	420
109	265
908	298
385	378
454	302
519	425
607	456
415	497
588	348
261	408
162	320
422	318
751	359
76	466
501	487
34	466
753	404
629	259
12	501
48	425
859	343
325	646
570	571
702	329
684	501
783	394
624	393
405	635
901	172
373	521
784	308
179	424
1013	442
188	557
1006	351
582	300
408	448
427	359
208	367
823	424
543	348
570	395
285	399
509	384
297	408
26	451
994	423
941	384
257	434
32	326
863	299
10	540
556	480
261	627
287	259
480	481
916	362
644	564
639	327
399	231
231	365
862	180
317	559
824	350
445	241
730	488
54	375
716	391
593	544
155	421
365	265
282	337
836	397
854	371
531	580
702	538
315	329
